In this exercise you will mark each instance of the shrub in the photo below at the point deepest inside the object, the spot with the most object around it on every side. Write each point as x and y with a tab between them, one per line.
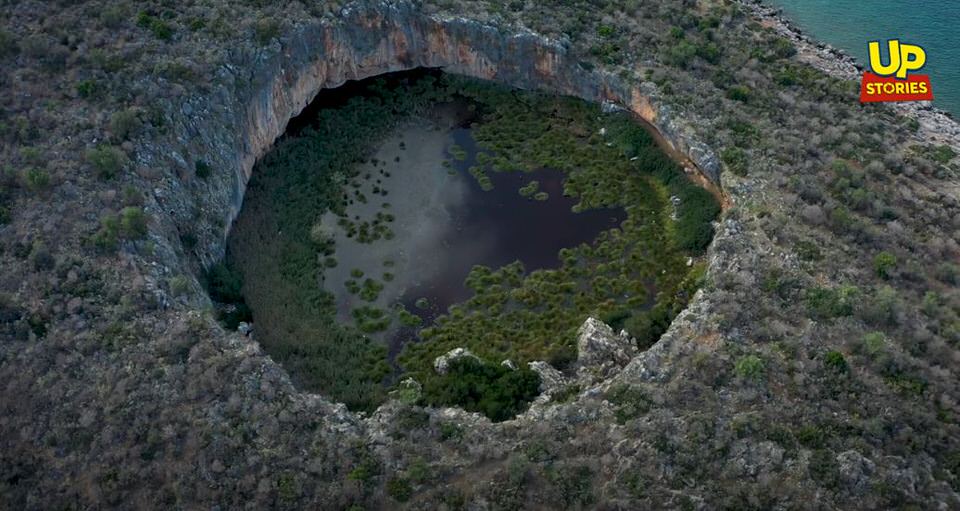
709	52
808	251
41	258
8	44
739	93
113	16
87	89
450	431
158	27
883	263
106	237
824	303
265	30
179	286
835	361
133	223
942	154
287	488
874	343
203	169
630	402
784	48
750	367
735	159
125	123
35	179
574	484
882	308
399	488
680	54
108	161
824	468
496	391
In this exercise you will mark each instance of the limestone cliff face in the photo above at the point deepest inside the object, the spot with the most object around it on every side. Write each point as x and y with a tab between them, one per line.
382	38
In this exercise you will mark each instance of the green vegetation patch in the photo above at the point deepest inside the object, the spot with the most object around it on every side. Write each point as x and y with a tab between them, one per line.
489	388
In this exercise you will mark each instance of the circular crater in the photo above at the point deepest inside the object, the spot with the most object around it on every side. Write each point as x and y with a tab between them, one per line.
408	215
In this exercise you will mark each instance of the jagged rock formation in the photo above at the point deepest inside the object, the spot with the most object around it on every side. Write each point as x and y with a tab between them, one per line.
602	352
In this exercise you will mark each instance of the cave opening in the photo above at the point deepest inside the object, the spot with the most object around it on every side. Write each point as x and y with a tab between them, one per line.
405	215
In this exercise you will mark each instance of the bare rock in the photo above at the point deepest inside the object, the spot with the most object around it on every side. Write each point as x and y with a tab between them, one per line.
855	471
442	363
551	379
601	350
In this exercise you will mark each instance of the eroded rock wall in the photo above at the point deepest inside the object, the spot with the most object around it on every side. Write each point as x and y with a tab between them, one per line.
370	41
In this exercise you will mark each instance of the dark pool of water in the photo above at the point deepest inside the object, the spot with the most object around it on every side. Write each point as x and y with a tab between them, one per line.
501	226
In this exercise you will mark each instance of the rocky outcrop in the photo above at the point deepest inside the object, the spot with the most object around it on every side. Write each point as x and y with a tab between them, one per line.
551	380
602	352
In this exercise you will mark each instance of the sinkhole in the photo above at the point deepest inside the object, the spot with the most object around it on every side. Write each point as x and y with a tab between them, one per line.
405	215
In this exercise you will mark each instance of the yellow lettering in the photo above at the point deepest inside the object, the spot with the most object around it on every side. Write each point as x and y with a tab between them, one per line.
876	61
912	58
923	87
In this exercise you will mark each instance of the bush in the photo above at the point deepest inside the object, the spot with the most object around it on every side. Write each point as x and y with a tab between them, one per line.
883	308
399	488
108	161
883	263
133	223
87	89
265	30
41	258
125	124
735	159
574	484
203	169
739	93
750	367
630	402
113	16
824	303
942	154
158	27
8	44
496	391
680	54
835	361
179	286
874	343
709	52
35	179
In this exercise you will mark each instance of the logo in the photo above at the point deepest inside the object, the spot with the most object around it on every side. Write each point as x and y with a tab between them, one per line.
892	80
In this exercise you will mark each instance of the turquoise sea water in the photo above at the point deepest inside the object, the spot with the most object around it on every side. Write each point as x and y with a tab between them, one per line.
850	24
